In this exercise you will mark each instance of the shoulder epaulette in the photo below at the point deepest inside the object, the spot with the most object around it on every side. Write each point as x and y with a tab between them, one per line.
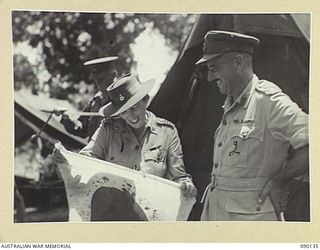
165	122
267	87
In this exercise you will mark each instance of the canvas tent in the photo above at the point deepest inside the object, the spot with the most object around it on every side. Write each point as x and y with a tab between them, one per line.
187	99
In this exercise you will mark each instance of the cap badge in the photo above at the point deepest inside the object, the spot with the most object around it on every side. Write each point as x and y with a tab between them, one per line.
121	97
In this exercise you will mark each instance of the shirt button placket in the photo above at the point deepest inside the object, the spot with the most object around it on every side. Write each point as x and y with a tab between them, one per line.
218	157
218	147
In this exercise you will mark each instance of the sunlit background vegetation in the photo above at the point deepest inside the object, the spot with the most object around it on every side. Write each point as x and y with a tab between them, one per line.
49	48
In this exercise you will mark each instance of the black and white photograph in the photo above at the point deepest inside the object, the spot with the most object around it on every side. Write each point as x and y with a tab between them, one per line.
124	116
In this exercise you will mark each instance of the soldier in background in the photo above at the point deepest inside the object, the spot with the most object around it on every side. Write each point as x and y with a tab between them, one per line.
103	73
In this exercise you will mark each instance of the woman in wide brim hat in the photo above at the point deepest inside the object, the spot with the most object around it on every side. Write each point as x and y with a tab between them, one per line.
134	137
124	93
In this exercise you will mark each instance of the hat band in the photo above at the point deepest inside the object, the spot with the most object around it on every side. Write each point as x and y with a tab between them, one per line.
219	47
124	93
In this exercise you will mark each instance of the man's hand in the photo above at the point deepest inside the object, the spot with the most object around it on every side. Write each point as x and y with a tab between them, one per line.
58	157
272	189
297	165
58	112
188	189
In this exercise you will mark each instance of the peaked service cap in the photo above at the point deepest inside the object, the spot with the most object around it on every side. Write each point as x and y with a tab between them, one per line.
218	42
101	60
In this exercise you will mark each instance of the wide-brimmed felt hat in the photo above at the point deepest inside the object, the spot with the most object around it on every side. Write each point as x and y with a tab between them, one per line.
125	93
217	42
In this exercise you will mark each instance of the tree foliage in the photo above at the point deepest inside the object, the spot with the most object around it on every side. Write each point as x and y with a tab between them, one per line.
67	39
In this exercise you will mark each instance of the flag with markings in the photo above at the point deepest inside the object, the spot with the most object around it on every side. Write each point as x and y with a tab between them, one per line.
102	191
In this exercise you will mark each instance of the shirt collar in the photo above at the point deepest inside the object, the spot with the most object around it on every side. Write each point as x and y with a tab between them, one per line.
150	124
244	97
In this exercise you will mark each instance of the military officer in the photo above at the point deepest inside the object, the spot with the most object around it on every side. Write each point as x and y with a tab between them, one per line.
135	138
259	125
102	72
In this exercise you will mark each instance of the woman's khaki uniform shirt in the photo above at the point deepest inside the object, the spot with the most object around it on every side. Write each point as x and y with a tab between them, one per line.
157	152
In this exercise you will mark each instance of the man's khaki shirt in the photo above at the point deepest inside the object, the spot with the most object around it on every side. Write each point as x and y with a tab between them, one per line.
251	144
256	131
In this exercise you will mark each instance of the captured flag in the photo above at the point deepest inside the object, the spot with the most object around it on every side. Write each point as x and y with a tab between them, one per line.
102	191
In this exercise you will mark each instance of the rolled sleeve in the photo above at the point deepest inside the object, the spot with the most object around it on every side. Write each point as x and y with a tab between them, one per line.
287	122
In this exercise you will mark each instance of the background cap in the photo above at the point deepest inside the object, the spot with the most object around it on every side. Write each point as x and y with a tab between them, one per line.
101	60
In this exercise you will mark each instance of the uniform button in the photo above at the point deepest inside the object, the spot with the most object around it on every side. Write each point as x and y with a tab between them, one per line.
111	158
137	147
219	144
216	165
224	122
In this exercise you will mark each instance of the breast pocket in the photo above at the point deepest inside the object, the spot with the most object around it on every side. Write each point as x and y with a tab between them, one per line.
245	141
154	161
119	155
